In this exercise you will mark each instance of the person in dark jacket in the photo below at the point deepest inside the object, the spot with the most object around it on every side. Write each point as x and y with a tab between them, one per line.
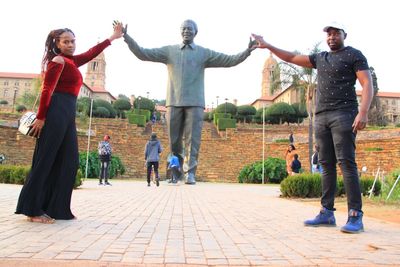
152	157
296	164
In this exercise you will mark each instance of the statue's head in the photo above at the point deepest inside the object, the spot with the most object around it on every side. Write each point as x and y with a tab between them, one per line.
188	31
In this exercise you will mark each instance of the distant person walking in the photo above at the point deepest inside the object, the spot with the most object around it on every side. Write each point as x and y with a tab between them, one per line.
316	167
152	157
105	150
291	138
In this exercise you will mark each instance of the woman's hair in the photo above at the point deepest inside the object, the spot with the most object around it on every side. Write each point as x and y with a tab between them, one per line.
51	50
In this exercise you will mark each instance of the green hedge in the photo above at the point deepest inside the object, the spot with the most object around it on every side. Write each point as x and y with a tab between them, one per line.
218	116
116	166
274	171
12	174
144	112
310	186
224	123
139	120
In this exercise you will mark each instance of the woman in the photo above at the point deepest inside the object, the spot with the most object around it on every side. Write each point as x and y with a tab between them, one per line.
46	195
105	150
289	156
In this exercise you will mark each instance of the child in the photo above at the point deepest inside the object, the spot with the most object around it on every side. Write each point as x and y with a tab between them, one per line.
296	164
174	166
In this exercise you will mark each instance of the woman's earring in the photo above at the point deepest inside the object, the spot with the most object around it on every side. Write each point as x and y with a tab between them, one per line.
54	50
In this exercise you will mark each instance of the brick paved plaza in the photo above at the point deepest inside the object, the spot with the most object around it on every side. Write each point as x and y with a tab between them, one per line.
129	224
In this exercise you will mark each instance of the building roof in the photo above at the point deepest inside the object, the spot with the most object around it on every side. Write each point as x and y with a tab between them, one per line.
96	89
15	75
382	94
161	108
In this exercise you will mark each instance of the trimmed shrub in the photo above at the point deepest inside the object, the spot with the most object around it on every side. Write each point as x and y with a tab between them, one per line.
226	108
217	116
19	174
12	174
223	123
101	112
78	179
302	185
310	186
144	112
20	108
139	120
274	171
103	103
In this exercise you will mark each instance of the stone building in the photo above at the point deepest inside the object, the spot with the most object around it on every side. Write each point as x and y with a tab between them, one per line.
390	103
14	85
269	95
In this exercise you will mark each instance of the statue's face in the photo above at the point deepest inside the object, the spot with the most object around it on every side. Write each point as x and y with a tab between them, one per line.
188	32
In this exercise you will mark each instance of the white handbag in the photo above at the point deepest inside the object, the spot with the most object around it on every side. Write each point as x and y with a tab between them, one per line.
25	123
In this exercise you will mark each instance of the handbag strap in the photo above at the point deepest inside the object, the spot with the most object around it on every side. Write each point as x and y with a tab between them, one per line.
37	97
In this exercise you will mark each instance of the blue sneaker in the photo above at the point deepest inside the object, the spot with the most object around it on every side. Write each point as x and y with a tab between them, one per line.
354	223
324	218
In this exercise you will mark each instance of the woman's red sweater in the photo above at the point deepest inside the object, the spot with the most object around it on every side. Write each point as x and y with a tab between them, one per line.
66	78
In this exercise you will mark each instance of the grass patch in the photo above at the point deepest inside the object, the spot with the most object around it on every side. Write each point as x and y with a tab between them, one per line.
284	140
373	149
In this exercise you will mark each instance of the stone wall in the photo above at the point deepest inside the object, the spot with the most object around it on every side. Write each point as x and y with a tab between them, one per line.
222	155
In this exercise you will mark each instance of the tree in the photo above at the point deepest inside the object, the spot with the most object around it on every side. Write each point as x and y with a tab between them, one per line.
144	103
245	113
376	113
301	112
161	102
304	80
122	96
83	105
227	108
121	105
102	103
28	98
282	112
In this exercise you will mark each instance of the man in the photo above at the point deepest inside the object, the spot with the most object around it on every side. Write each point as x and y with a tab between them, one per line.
185	93
337	119
152	152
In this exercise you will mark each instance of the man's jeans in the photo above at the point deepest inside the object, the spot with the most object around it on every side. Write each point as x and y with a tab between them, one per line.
336	141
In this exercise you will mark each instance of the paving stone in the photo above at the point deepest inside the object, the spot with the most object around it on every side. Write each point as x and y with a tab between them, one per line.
206	224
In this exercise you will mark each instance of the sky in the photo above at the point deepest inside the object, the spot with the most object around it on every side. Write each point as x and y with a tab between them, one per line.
224	26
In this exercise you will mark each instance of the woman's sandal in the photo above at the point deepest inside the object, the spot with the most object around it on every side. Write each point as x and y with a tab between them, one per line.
46	219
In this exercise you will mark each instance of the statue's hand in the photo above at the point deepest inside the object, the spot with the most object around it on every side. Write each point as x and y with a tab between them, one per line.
252	44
